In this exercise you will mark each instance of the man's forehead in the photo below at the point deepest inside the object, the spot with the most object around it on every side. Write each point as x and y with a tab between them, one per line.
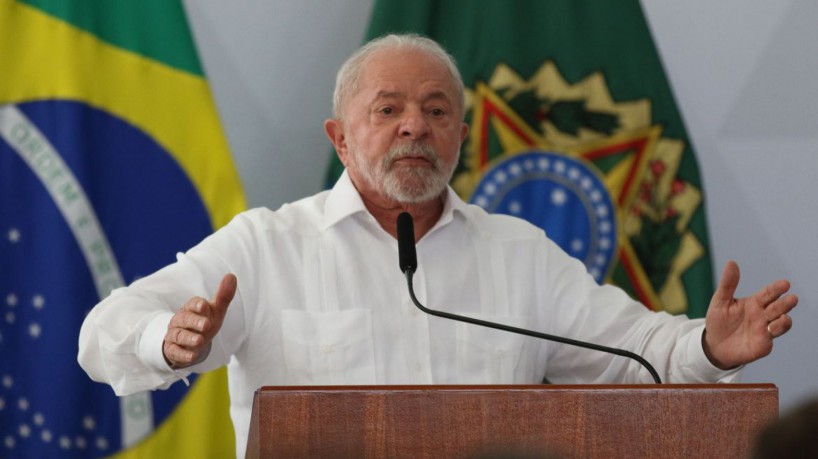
401	63
394	73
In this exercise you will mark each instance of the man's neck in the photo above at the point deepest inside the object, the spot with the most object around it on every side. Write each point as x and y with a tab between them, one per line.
424	215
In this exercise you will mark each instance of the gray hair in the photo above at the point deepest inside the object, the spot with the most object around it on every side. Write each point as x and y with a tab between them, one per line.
349	75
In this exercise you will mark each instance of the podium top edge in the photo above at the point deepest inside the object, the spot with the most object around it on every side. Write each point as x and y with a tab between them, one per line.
764	387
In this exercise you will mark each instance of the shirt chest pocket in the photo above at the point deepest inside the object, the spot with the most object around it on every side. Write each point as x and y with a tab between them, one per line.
328	347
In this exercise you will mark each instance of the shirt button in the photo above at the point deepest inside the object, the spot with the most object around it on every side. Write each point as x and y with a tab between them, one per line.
327	348
418	367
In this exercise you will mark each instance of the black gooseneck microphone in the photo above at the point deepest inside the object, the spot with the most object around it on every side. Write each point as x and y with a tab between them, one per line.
407	259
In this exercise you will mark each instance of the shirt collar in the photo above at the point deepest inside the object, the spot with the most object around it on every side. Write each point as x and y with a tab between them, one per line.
452	204
344	201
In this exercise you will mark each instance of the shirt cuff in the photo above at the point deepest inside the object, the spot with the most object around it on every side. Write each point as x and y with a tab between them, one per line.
151	342
701	365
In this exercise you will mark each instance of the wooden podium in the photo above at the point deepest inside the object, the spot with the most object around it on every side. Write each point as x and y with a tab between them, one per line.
639	421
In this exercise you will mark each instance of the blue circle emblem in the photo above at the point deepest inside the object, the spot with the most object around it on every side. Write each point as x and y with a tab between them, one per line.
561	195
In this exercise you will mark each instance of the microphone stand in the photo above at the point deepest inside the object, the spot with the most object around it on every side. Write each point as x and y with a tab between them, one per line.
621	352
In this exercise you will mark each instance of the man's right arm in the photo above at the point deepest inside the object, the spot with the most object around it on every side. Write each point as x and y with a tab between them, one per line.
115	342
161	328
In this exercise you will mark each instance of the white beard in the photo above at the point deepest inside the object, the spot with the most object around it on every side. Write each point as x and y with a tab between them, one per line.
408	185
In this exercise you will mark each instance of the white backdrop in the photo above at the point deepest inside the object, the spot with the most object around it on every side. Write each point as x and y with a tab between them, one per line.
744	72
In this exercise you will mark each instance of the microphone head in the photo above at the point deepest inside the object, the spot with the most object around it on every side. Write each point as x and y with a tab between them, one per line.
407	257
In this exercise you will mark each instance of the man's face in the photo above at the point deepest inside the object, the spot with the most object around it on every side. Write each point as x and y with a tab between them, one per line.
402	129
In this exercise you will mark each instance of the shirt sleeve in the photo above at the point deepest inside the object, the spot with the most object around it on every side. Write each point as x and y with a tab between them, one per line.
580	308
121	339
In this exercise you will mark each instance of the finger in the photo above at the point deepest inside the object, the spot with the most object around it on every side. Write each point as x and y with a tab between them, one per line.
196	304
728	283
179	356
780	307
780	326
190	321
772	292
185	338
225	293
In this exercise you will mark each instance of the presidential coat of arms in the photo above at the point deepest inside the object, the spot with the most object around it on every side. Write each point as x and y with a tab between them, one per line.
596	173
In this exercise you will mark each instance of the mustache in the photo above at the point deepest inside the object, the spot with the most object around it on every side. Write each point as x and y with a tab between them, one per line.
415	150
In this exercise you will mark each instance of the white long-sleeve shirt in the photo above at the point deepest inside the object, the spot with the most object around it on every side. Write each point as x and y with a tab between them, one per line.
321	300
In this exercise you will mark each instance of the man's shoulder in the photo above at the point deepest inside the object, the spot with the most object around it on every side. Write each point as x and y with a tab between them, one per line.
305	214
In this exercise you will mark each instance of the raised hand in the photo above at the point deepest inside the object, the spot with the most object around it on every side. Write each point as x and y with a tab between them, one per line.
739	331
192	328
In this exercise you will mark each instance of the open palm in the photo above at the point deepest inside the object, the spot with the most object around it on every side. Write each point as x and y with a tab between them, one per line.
741	330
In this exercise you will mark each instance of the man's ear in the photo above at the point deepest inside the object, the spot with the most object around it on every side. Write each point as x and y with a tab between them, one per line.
464	131
334	129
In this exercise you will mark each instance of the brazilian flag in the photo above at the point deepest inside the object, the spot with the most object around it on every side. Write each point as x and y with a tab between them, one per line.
112	160
573	126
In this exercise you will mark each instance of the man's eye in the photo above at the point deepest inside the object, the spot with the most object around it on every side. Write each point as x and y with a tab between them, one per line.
438	112
387	110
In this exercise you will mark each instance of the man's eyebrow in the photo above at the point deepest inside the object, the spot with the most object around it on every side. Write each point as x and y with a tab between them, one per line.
432	95
437	95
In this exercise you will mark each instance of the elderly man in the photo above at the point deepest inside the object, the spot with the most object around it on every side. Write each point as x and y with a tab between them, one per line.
311	293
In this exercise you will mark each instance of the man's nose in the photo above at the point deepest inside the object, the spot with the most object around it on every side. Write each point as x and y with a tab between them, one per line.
413	125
